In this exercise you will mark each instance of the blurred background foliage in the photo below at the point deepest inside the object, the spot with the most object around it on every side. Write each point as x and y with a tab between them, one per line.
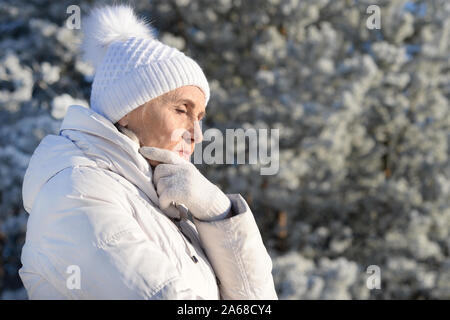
364	125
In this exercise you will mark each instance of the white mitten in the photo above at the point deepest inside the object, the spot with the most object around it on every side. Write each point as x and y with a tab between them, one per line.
179	181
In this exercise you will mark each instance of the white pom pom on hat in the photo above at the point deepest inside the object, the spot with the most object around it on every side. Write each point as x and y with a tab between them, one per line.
108	24
131	65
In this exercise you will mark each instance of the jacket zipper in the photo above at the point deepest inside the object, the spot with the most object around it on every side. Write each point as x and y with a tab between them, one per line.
178	222
184	212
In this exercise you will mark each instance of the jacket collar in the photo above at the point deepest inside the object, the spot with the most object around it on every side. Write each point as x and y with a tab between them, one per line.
100	141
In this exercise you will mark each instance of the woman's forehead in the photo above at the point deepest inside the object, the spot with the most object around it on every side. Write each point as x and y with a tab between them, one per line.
190	94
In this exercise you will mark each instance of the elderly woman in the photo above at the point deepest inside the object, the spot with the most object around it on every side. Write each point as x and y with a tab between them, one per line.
117	210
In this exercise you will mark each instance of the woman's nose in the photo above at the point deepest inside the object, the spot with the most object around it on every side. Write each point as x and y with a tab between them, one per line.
197	132
193	134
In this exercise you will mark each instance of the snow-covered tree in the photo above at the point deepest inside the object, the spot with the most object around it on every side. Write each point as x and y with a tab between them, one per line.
364	122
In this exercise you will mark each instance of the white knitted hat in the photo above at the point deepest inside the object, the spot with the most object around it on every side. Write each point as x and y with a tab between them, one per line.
131	65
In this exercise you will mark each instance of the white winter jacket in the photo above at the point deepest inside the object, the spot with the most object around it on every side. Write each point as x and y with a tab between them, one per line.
95	230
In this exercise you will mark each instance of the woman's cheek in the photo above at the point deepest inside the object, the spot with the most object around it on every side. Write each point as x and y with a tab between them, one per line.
176	136
175	139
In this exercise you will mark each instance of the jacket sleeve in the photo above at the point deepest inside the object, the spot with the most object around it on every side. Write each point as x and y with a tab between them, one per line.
84	241
236	251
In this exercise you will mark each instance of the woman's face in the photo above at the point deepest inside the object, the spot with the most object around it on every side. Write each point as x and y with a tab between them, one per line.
170	121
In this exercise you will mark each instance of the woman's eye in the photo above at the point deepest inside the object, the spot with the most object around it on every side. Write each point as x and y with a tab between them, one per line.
181	110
